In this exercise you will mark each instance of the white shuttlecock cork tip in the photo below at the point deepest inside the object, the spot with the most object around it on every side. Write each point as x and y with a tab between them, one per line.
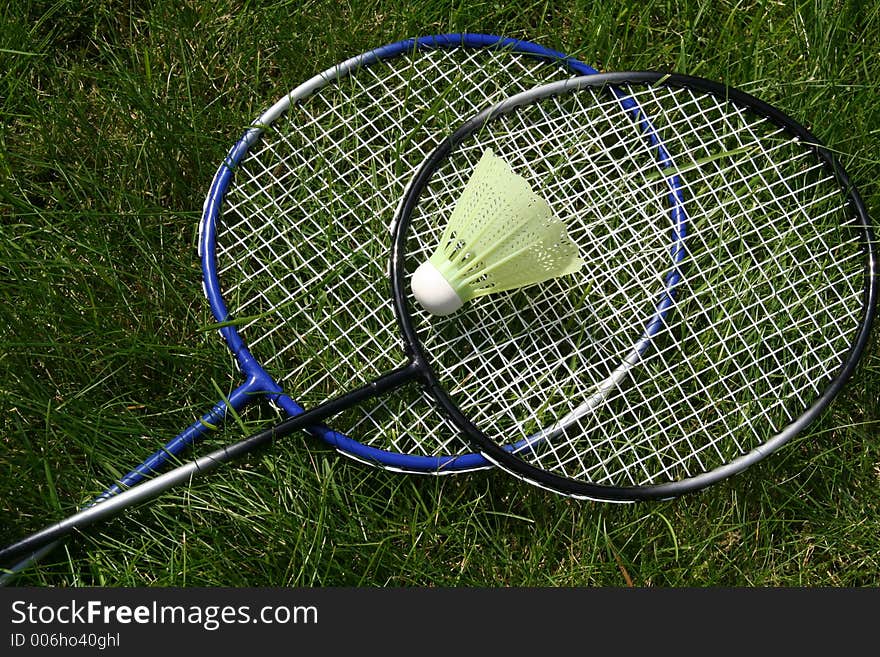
433	291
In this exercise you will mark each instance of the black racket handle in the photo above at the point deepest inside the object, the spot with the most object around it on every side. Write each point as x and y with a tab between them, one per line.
154	487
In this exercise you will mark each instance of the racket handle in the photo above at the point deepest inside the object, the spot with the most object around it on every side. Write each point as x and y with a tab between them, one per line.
154	487
12	571
209	421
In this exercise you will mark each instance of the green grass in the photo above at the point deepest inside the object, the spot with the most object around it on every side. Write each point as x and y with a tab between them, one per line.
114	120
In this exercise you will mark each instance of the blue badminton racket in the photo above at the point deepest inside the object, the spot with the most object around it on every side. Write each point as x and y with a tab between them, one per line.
601	167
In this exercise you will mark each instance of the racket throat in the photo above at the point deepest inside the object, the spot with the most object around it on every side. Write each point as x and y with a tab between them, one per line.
375	388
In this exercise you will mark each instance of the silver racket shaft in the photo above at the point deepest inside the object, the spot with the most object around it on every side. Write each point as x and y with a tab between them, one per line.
182	474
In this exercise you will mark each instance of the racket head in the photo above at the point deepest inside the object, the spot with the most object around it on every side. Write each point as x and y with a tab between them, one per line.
772	310
295	235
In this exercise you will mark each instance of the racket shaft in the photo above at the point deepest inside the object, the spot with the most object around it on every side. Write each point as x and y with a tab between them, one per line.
154	487
239	398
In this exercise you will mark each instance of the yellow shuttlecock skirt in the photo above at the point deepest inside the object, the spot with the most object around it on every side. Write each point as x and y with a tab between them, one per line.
500	236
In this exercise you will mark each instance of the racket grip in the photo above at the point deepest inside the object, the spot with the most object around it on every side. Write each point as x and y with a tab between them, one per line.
154	487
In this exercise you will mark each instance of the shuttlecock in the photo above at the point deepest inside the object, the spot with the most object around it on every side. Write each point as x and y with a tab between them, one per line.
500	236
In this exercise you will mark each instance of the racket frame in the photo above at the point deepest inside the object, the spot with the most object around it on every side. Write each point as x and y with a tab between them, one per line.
505	458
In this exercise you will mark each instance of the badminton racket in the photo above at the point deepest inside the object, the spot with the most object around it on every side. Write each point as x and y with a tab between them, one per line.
769	287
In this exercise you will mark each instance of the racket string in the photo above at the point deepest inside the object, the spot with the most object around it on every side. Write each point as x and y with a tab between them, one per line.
765	313
303	241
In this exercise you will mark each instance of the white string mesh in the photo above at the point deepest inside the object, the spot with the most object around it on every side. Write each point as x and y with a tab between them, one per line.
770	300
303	239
